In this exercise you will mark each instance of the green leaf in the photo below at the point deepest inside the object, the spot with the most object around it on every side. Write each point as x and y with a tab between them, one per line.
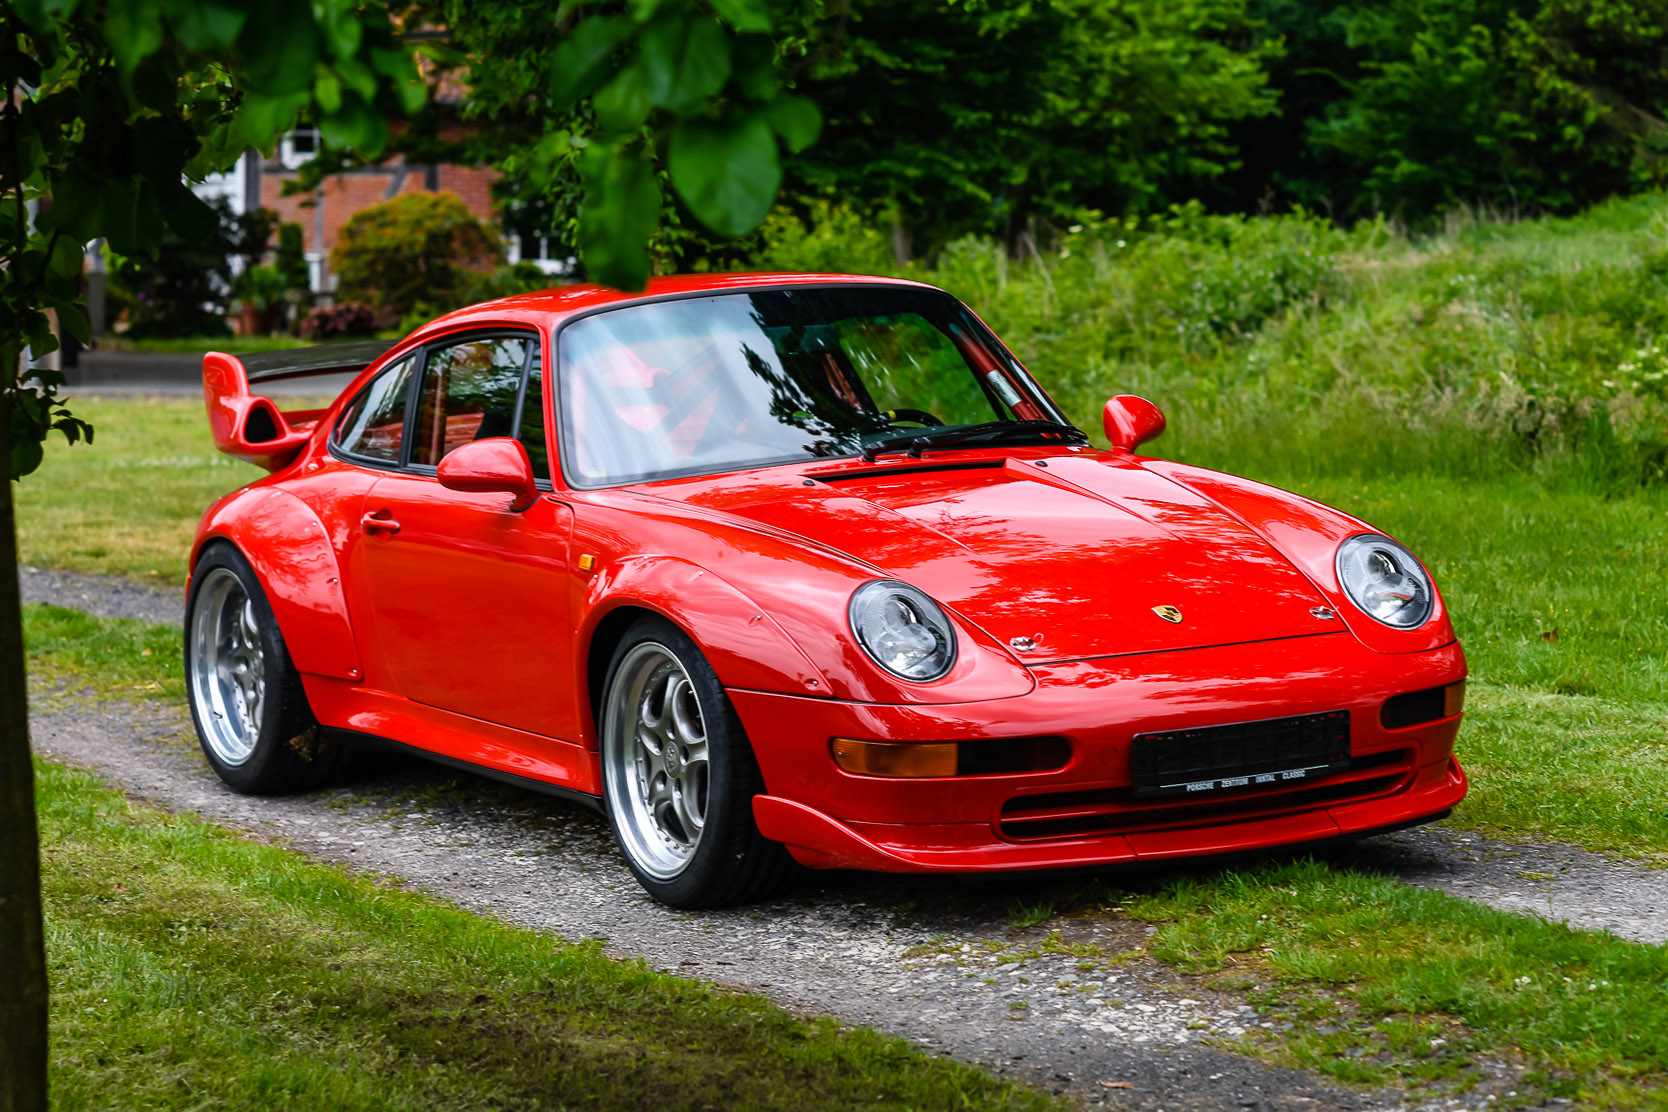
754	63
327	90
644	10
188	214
26	446
357	127
357	76
618	216
726	171
71	319
204	26
130	217
581	60
343	33
63	268
279	47
264	118
744	15
687	61
795	119
623	104
134	30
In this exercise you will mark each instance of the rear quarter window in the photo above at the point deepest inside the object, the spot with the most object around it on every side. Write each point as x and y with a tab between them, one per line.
373	424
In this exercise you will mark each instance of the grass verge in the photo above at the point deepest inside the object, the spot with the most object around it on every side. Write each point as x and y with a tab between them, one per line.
1382	983
240	973
129	503
191	968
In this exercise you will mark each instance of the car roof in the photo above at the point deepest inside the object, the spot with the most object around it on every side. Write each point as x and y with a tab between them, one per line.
545	306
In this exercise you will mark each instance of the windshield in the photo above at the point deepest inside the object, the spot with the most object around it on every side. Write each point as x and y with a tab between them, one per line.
707	384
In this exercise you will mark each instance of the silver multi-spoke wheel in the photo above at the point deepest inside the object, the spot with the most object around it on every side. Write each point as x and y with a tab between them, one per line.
656	760
228	667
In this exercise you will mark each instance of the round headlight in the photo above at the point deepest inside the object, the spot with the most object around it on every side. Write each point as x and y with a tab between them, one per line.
1383	579
903	630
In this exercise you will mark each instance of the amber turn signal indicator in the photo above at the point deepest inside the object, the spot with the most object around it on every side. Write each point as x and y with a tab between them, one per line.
1453	699
895	758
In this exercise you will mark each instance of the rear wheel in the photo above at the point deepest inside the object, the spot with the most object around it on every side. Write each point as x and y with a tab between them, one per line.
251	714
679	776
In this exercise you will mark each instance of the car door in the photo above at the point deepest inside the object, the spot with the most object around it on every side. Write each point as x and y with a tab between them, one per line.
469	599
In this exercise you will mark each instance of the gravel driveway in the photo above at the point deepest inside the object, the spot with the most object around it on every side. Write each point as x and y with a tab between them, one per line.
912	956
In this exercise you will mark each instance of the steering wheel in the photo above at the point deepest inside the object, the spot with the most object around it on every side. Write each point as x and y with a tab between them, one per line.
913	416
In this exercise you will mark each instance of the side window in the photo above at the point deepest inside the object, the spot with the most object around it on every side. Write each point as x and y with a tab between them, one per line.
532	419
373	425
468	393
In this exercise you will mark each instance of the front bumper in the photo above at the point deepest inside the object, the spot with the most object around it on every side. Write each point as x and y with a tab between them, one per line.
1086	813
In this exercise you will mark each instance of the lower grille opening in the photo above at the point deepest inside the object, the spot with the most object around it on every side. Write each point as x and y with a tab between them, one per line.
1119	810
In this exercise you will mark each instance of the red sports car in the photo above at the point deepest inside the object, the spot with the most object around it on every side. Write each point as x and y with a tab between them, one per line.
785	568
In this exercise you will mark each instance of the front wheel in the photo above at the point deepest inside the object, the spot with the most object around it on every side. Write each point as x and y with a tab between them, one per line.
679	776
252	717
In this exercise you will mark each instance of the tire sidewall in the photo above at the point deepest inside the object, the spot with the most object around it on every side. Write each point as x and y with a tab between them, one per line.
727	754
272	765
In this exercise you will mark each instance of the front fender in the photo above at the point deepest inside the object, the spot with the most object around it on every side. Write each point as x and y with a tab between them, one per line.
290	550
741	640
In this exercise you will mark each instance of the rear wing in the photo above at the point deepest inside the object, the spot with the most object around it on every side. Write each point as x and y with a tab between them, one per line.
250	426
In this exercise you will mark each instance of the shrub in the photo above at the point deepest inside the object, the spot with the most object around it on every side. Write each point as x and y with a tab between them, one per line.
414	253
335	322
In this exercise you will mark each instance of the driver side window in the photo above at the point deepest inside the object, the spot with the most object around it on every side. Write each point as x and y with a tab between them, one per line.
469	392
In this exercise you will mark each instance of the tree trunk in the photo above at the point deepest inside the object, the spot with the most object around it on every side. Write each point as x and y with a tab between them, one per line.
22	946
903	248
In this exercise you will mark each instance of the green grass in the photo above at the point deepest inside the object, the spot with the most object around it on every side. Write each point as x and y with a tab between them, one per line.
193	969
293	967
1417	984
111	657
129	503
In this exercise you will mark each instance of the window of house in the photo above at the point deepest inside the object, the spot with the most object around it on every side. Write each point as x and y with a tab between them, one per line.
298	146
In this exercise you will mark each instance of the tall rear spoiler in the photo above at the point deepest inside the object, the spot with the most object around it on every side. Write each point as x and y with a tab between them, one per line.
250	426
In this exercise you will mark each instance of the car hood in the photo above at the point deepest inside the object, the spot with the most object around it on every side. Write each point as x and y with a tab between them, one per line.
1077	554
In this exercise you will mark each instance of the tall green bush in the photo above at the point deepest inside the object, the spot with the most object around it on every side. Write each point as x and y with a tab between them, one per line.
412	254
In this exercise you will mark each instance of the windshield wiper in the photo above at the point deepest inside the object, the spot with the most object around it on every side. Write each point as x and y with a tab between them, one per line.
992	432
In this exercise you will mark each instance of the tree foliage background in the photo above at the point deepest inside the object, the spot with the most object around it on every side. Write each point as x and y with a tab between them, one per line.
944	118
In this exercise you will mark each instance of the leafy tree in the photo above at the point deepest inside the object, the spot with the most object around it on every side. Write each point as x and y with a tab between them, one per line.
1414	106
183	288
956	118
112	105
413	251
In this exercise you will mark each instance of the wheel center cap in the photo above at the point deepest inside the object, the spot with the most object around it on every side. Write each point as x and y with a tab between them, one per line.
674	759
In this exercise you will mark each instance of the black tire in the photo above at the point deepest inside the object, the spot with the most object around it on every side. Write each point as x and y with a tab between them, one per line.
730	862
279	747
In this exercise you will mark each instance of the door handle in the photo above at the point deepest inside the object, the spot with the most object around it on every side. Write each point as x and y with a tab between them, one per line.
379	520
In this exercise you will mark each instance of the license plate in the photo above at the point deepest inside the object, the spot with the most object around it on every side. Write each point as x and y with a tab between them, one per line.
1267	753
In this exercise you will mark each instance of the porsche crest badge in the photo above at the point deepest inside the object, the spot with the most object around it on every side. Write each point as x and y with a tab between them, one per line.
1168	613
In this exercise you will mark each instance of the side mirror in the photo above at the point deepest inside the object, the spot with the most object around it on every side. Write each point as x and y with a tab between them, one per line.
495	465
1131	421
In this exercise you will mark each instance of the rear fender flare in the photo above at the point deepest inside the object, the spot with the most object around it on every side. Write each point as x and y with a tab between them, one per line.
740	639
290	550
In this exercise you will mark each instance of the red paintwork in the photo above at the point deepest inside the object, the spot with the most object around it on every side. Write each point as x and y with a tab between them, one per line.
1130	421
231	408
495	466
455	614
